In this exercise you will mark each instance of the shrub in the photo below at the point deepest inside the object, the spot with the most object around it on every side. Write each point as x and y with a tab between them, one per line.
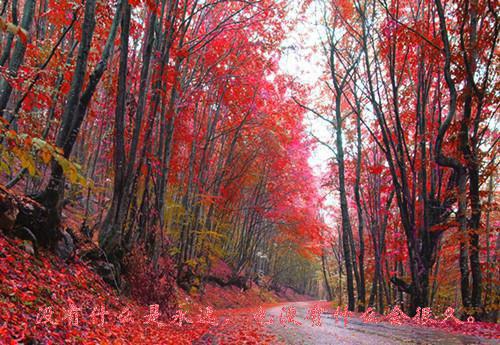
149	285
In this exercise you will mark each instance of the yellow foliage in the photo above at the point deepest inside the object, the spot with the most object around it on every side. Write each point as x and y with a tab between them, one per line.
27	150
14	29
191	263
213	234
45	155
4	167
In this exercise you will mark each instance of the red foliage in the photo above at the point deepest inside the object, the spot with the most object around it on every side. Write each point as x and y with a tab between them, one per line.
45	288
30	286
152	285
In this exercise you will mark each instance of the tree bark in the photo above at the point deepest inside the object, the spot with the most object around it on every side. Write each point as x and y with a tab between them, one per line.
325	277
111	231
346	224
10	37
361	283
76	107
17	57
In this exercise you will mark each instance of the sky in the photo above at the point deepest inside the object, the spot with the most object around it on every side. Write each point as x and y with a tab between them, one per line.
300	61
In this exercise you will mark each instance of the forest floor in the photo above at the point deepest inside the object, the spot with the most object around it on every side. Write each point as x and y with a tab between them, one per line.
31	283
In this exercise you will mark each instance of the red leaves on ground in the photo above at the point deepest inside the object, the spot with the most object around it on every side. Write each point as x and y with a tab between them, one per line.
29	286
37	294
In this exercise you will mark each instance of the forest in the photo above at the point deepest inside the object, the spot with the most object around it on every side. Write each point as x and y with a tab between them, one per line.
165	152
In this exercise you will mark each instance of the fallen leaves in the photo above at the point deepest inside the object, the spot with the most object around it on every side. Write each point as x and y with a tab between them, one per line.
31	285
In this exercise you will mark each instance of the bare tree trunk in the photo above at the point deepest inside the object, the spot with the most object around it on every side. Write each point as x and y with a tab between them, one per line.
50	197
470	151
111	231
17	56
361	282
463	258
325	276
10	36
76	107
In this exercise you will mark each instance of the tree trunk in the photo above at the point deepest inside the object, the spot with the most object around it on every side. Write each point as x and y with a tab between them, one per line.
475	221
76	107
50	198
10	36
463	258
111	231
325	276
361	283
17	57
346	224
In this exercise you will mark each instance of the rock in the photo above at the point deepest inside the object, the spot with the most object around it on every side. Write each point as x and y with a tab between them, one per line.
8	212
65	247
34	216
28	247
90	252
73	236
33	341
106	270
26	234
31	243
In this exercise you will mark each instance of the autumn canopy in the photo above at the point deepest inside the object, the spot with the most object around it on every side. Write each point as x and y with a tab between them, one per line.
173	148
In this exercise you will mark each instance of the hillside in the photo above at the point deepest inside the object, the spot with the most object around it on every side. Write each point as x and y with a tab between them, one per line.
32	283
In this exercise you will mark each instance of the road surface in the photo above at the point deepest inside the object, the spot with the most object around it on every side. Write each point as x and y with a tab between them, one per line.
358	332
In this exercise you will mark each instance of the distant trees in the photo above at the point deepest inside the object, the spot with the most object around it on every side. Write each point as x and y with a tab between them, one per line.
175	129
